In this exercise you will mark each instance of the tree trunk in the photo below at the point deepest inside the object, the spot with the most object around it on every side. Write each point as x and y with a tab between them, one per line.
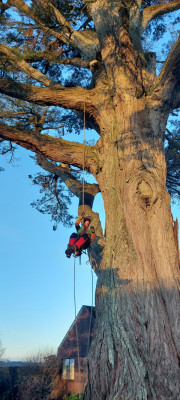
136	349
135	353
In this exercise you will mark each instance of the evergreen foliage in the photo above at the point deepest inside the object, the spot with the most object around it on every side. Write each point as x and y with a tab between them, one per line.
33	34
63	63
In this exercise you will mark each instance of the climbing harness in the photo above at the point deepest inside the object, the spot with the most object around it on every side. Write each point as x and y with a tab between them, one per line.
72	248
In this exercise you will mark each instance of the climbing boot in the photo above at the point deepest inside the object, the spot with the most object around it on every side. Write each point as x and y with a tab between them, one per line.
70	249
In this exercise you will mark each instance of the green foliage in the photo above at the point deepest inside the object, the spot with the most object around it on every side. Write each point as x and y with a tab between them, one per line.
172	151
46	53
74	396
55	199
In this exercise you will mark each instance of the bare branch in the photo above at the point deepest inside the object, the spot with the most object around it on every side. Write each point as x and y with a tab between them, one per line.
4	7
57	95
52	127
171	64
64	172
57	150
54	57
75	38
168	82
76	62
157	10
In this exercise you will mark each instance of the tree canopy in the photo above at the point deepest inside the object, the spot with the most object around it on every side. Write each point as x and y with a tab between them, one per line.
111	66
50	69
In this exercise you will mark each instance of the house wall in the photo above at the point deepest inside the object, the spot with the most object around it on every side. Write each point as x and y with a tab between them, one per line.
75	347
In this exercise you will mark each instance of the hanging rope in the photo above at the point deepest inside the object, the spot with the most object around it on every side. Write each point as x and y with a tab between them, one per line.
89	261
89	331
84	151
92	261
77	339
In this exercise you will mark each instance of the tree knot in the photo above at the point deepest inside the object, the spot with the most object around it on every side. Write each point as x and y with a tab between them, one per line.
145	191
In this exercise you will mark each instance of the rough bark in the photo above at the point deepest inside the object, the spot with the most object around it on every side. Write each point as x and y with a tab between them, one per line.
52	148
168	81
136	352
155	11
56	95
136	349
176	238
68	35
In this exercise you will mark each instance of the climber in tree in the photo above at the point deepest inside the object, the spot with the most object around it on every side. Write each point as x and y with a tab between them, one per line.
82	239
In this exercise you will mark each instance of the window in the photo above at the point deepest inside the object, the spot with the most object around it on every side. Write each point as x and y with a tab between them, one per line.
68	369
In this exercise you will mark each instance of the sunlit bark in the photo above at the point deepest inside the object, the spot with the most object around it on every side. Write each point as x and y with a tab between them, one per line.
135	353
52	148
157	10
57	95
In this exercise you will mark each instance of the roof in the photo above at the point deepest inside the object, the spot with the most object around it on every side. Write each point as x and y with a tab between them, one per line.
84	321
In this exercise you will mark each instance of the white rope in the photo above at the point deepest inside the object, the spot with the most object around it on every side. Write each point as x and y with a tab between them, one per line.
77	339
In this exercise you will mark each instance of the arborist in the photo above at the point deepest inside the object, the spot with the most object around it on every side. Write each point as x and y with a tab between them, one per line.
82	239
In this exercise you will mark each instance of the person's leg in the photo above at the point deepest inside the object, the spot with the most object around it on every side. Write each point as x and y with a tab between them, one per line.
82	242
86	244
73	238
70	248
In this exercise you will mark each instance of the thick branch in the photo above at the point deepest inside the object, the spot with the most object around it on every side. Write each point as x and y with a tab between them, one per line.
57	95
171	64
155	11
64	172
58	150
75	38
4	7
76	62
23	66
176	100
68	35
53	57
168	82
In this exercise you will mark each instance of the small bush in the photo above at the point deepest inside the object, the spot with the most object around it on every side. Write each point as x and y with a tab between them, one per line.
74	396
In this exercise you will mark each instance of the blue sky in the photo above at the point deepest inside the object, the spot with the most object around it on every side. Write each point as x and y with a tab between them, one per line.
36	279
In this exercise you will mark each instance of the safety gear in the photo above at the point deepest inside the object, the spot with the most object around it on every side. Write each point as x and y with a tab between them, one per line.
70	249
80	240
77	251
87	219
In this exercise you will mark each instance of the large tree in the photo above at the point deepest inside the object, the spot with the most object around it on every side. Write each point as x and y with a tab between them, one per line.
90	57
